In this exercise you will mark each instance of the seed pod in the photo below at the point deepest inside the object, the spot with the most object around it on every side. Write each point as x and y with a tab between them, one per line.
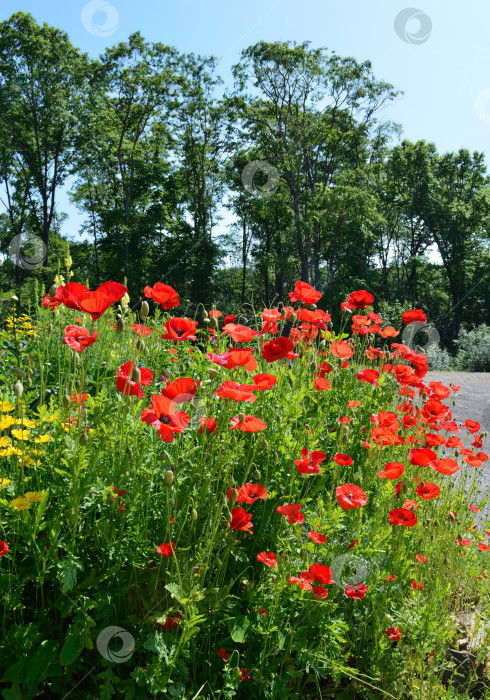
284	313
233	541
219	562
241	417
120	325
66	402
136	374
194	514
168	478
19	373
313	366
291	381
129	453
18	388
83	440
322	344
257	475
212	373
145	310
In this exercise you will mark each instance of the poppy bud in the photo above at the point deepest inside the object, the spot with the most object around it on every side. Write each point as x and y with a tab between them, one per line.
265	444
83	440
19	373
214	323
50	327
145	310
293	318
136	374
168	478
14	298
237	674
275	458
76	359
194	514
29	371
311	306
18	388
322	343
206	320
205	315
291	381
52	291
241	417
171	501
229	516
233	541
212	373
129	453
120	325
28	382
140	344
257	475
234	495
66	401
313	366
451	516
219	563
284	313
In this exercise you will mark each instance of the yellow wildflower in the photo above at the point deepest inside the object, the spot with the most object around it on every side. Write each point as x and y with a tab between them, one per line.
34	496
6	422
6	406
5	441
27	423
21	503
4	482
8	452
21	434
43	438
53	417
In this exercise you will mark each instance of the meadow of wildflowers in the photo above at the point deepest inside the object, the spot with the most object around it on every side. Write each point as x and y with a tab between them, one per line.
207	508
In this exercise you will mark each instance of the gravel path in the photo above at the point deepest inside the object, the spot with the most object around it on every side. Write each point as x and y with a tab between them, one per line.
472	401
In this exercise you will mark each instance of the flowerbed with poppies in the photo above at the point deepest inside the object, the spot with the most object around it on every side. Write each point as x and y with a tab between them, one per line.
206	508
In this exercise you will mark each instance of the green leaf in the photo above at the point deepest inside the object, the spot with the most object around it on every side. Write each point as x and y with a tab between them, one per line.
239	627
16	673
9	694
174	589
72	648
38	666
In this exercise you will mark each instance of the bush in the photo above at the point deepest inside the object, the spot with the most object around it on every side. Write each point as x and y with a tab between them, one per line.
474	349
226	517
438	358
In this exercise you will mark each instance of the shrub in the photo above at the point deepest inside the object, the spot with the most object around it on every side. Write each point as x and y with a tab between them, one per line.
474	349
438	358
192	513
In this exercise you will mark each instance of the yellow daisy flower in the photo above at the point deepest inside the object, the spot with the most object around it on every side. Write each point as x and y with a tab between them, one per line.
6	406
6	422
53	417
5	441
21	434
27	423
34	496
26	461
8	452
42	438
4	482
21	503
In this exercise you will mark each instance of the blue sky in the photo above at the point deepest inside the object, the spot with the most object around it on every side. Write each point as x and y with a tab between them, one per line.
439	60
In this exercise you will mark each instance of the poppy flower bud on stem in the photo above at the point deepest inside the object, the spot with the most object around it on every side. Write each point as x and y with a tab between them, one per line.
168	478
52	291
275	458
313	366
322	343
66	401
145	310
140	345
293	318
214	323
257	475
241	417
19	373
265	444
171	501
205	315
50	327
18	388
83	440
120	325
234	495
29	382
194	514
291	381
212	373
136	374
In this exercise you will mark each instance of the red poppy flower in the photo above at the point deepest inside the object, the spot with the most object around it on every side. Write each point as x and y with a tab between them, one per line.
303	581
402	516
78	338
356	591
392	470
341	349
410	505
350	496
181	390
245	675
207	424
263	382
483	547
249	493
353	404
432	440
276	349
320	592
427	490
166	549
250	424
163	294
394	633
292	513
141	330
95	303
321	384
343	460
421	456
368	375
129	379
171	621
390	578
4	548
474	460
321	573
463	543
445	466
472	426
268	558
304	292
222	653
388	332
474	509
179	329
70	294
241	520
414	316
52	302
239	333
232	358
229	319
316	537
360	299
309	464
235	391
162	416
262	611
421	558
416	585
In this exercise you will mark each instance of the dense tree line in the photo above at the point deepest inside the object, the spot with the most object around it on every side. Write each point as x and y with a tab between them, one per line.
154	150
